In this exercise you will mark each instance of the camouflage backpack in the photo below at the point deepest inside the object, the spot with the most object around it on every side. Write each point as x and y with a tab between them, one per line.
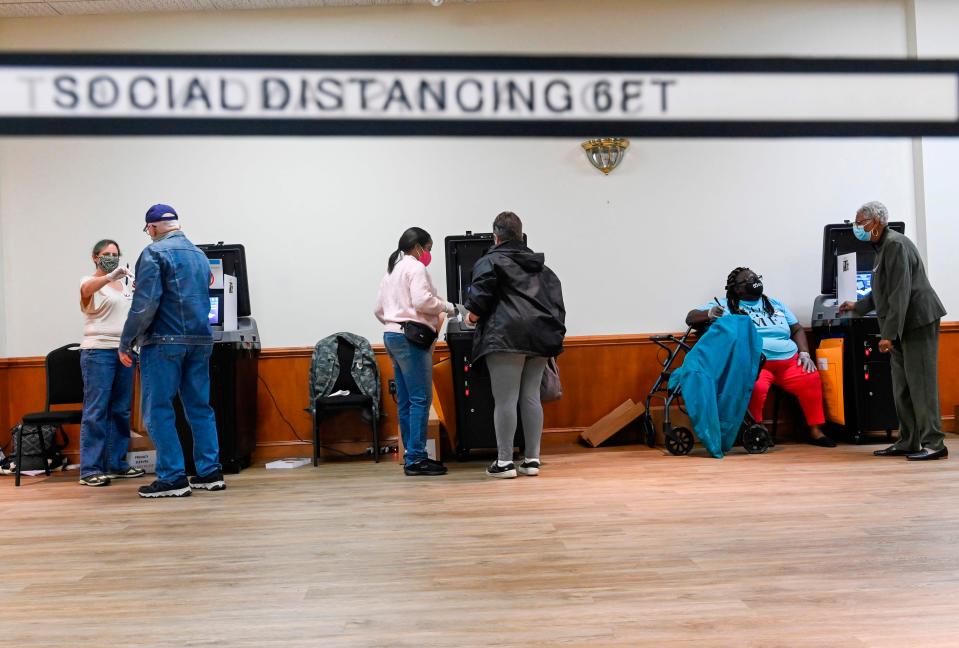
325	368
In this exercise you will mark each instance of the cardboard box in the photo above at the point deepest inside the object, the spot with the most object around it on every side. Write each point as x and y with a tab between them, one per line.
145	459
140	441
604	428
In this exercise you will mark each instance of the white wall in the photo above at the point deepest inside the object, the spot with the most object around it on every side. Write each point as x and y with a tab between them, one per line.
937	26
318	216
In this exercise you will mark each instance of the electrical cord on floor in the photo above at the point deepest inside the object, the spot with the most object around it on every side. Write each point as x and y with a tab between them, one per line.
279	411
293	430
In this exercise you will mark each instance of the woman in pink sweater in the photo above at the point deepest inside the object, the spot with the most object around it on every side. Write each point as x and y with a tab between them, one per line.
411	312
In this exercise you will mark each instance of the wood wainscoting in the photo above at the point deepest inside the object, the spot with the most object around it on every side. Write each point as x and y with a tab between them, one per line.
598	373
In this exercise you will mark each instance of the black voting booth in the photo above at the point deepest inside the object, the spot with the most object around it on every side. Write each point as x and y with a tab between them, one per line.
472	393
867	376
233	370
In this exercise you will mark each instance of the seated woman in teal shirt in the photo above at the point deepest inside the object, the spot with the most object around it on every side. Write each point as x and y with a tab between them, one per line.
788	364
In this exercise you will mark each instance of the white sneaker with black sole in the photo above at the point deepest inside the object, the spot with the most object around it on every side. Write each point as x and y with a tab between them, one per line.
529	467
501	472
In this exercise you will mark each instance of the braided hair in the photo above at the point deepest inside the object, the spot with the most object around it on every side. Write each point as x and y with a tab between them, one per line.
732	299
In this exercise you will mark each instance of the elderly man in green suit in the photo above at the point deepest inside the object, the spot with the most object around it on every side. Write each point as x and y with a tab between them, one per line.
909	312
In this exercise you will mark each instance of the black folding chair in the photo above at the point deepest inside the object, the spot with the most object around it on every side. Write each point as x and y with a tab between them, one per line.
323	406
64	387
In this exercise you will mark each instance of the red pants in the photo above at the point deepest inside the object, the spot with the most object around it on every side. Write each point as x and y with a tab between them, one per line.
788	375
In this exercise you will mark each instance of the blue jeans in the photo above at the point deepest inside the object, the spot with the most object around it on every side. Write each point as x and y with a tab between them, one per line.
165	371
105	429
413	370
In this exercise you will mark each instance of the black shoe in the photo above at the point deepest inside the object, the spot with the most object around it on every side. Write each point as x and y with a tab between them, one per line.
928	454
129	473
892	451
425	468
159	488
529	467
212	482
502	472
822	442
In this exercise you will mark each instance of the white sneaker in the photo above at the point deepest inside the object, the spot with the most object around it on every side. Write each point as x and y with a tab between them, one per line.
529	467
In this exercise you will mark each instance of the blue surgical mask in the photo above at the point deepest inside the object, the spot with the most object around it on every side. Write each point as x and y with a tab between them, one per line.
860	233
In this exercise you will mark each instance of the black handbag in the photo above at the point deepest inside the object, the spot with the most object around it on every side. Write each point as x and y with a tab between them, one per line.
419	335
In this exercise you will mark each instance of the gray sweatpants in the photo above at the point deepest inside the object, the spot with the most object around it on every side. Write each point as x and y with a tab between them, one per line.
515	379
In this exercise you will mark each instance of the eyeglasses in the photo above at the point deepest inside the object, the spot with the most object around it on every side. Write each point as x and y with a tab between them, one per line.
862	222
752	279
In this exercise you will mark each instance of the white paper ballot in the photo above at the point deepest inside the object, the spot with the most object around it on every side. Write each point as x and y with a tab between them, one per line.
846	277
229	303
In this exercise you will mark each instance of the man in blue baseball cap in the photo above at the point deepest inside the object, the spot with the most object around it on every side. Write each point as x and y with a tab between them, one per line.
168	320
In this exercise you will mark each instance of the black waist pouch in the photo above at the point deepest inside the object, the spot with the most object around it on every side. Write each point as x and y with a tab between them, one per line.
419	334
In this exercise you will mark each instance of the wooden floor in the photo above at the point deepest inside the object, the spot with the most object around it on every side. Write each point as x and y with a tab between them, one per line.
621	547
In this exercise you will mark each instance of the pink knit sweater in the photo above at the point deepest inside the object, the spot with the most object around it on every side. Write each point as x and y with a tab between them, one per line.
407	294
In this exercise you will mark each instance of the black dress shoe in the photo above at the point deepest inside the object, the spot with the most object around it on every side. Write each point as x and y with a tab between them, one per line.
822	442
892	451
928	454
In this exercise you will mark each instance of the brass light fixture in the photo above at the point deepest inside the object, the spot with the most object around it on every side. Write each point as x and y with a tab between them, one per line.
606	153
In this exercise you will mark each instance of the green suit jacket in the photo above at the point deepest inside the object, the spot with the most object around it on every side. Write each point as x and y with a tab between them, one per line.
901	294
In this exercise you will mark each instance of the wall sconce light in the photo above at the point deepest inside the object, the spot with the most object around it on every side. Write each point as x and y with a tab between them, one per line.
605	154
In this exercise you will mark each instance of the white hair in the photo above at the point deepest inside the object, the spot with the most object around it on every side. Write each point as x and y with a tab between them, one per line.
876	211
166	226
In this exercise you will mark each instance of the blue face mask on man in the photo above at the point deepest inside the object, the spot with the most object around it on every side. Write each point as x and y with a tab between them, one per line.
860	233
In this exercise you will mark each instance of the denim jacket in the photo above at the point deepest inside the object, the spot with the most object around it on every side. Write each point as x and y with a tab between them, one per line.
171	304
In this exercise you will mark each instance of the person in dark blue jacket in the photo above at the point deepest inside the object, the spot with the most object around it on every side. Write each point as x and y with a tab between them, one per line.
169	321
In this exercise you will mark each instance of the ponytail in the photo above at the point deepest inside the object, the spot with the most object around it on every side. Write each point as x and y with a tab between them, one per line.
392	262
411	238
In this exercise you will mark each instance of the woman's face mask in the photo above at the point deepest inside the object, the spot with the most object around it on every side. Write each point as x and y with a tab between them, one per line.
860	232
426	257
108	262
751	287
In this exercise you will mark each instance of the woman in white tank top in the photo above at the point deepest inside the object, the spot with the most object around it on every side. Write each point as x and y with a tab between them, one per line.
105	300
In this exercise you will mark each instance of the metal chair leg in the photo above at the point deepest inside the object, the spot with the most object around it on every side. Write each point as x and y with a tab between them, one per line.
376	438
18	458
316	439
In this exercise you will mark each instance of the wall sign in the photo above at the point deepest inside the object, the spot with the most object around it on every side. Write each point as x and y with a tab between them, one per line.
162	94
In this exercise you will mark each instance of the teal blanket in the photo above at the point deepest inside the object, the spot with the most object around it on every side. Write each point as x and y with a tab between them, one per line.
716	381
